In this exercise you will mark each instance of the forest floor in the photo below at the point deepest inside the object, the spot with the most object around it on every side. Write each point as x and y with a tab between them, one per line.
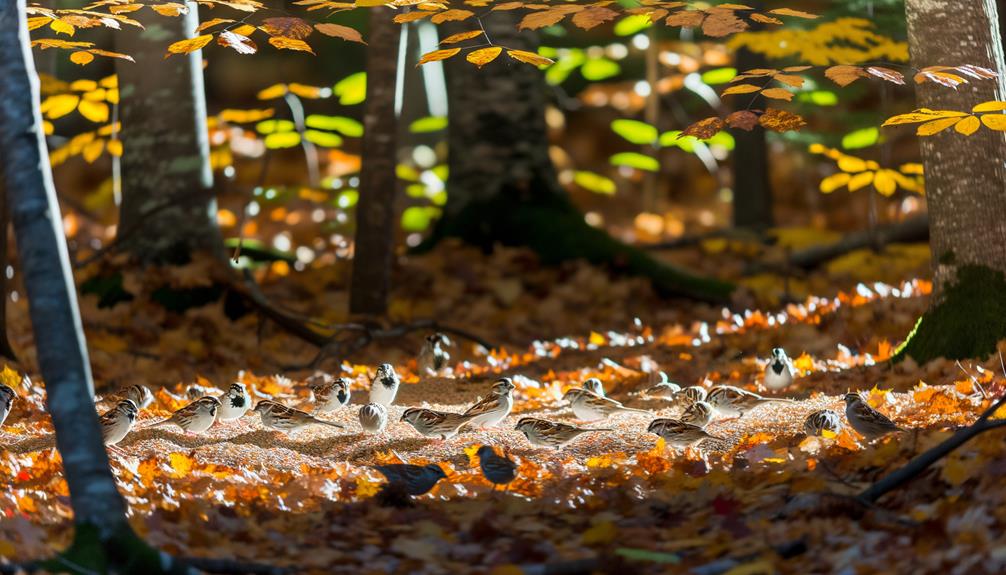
765	499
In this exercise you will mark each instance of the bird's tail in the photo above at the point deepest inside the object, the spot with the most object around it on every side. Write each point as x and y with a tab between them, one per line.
779	399
716	437
598	429
329	423
160	423
634	410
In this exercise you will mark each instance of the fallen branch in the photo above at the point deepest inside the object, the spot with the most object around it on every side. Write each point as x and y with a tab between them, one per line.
911	230
921	462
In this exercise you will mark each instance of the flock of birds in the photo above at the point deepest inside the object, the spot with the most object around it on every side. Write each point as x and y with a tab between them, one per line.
588	403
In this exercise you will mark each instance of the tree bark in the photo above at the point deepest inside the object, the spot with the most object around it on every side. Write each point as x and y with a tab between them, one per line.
6	349
752	203
62	357
965	184
165	144
503	187
375	213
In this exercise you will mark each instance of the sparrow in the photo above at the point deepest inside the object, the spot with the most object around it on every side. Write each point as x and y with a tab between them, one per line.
698	414
139	394
384	386
664	389
678	434
7	396
499	470
412	479
234	403
283	418
433	357
588	406
820	421
195	391
734	401
431	423
594	386
373	417
489	412
117	422
543	433
690	395
869	422
195	417
329	393
779	371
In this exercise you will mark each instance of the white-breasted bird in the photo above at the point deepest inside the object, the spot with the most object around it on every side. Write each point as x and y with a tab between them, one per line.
433	357
594	386
779	372
329	393
373	417
117	422
384	386
7	395
234	403
589	406
491	410
195	417
734	401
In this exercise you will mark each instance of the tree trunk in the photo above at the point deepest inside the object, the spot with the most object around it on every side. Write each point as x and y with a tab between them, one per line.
752	203
965	184
165	157
6	350
503	187
375	213
99	511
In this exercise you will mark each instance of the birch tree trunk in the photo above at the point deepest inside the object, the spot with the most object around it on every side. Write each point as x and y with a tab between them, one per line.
965	184
165	159
502	185
375	212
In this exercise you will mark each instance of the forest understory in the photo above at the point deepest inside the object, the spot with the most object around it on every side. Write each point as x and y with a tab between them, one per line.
763	499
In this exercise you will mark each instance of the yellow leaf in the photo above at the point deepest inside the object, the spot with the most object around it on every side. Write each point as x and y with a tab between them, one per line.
82	58
61	27
115	148
285	43
190	45
460	37
451	15
529	58
995	121
180	463
58	106
828	434
244	30
437	55
778	94
597	339
793	13
851	164
272	92
740	89
994	106
968	125
38	22
170	9
338	31
97	112
860	180
93	151
483	56
600	534
885	182
832	183
921	115
930	128
309	92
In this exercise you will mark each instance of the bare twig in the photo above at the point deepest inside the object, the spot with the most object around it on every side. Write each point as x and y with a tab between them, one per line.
973	379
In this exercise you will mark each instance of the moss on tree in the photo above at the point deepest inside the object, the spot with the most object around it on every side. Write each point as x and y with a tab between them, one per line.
967	322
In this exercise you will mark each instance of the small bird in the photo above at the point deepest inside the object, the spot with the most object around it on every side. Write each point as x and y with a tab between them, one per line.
384	386
117	422
412	479
330	393
690	395
499	470
734	401
822	420
678	434
430	423
373	417
779	371
283	418
543	433
234	403
489	412
433	357
594	386
869	422
139	394
195	417
664	389
195	391
588	406
698	414
7	395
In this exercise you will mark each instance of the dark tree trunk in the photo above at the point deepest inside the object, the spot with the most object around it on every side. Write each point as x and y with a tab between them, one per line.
752	204
503	187
6	350
375	213
965	184
165	157
99	511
